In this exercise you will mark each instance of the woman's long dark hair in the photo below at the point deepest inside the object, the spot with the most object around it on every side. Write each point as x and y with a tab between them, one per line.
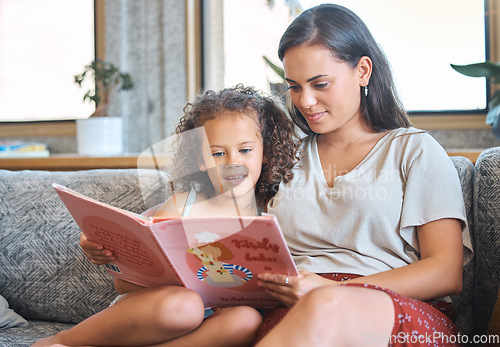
348	38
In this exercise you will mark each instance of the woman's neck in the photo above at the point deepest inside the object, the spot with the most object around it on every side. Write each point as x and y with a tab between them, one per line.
340	151
346	136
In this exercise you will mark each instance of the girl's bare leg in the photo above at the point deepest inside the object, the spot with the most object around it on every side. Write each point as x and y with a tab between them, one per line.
144	317
336	316
233	326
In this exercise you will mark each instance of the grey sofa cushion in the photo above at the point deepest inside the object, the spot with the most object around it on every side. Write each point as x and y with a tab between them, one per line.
487	235
26	336
9	318
44	275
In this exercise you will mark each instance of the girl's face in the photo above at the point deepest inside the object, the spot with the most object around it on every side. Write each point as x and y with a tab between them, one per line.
234	152
325	90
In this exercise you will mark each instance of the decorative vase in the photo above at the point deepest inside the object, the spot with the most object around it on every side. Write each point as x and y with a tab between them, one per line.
99	136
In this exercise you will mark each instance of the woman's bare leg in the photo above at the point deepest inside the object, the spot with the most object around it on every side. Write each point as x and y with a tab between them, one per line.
336	316
144	317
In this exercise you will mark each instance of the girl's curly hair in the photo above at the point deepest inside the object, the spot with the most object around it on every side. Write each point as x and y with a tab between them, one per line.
277	131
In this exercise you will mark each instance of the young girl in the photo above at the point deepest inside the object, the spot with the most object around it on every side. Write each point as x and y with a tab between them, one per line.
380	208
247	144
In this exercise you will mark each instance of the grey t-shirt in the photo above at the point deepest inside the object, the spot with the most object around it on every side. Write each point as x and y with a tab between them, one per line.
366	223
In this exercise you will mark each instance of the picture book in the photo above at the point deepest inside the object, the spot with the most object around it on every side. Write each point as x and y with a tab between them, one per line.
218	257
19	149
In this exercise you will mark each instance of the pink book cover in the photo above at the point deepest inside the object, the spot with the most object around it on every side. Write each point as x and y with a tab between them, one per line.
218	257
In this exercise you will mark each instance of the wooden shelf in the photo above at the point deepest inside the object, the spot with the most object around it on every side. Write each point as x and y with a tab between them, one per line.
72	162
69	162
470	154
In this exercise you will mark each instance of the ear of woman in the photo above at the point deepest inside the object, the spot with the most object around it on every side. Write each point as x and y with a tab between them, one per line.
364	67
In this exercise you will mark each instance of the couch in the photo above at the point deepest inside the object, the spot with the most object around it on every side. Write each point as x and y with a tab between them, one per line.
43	274
48	285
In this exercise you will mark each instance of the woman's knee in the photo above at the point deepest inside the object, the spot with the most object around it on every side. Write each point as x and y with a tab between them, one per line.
324	297
341	309
329	302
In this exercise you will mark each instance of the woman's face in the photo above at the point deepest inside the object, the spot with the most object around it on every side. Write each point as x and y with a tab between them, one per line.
234	153
325	90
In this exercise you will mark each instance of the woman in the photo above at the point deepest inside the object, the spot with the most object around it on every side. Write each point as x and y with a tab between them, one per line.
373	201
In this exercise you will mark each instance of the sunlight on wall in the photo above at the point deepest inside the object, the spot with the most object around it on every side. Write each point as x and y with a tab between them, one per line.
251	30
420	38
43	44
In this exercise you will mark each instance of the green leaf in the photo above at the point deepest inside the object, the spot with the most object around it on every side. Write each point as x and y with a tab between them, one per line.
105	76
494	108
486	69
275	68
495	99
126	81
492	114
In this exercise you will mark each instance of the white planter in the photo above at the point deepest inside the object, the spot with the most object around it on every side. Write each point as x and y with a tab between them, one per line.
99	136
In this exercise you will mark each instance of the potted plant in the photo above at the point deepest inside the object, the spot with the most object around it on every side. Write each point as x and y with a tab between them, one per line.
281	87
100	134
491	71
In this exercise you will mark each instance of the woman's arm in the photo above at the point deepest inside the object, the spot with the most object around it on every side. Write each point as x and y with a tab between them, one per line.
437	274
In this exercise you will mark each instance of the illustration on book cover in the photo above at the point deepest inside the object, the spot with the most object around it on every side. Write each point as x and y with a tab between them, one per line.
225	259
217	272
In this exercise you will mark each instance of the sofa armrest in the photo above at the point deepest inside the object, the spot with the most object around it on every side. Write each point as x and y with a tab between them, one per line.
487	235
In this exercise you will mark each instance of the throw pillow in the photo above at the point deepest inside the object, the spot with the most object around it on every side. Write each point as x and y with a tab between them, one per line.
8	318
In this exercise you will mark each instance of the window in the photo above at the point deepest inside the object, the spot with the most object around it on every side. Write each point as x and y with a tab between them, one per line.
43	44
420	38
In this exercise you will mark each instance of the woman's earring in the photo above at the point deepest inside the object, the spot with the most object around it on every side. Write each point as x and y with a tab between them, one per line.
366	90
202	167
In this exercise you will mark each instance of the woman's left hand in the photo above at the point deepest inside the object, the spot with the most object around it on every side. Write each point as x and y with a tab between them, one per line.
289	289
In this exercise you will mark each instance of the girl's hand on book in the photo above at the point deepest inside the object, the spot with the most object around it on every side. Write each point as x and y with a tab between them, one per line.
94	252
289	289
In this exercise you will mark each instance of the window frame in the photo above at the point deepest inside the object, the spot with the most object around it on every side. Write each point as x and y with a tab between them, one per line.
194	47
473	119
430	121
59	128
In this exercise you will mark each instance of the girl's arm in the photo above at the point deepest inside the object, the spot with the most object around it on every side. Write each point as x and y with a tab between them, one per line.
122	287
437	274
96	253
173	206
